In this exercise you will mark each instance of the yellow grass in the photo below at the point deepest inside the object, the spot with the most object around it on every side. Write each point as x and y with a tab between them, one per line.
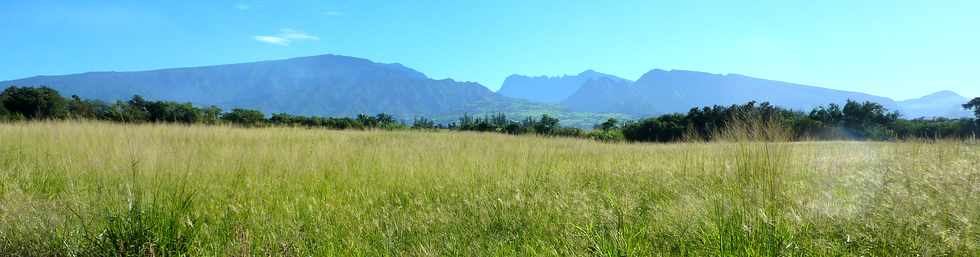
70	188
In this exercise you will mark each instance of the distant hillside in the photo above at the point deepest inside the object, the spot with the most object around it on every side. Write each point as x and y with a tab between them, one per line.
332	85
607	95
516	109
549	89
660	91
939	104
320	85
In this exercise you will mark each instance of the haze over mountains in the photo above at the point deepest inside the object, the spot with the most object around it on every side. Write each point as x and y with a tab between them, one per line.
333	85
660	91
549	89
320	85
940	104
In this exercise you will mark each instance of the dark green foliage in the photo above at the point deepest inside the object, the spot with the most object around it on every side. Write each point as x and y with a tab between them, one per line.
608	131
566	132
609	124
612	135
701	123
665	128
34	103
380	121
132	111
546	125
211	115
704	123
4	114
936	128
88	109
244	117
424	124
974	105
166	111
860	115
855	120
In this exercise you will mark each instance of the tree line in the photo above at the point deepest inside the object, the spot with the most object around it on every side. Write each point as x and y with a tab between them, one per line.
853	120
43	103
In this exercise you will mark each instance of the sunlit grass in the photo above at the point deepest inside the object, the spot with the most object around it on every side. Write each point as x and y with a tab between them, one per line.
97	189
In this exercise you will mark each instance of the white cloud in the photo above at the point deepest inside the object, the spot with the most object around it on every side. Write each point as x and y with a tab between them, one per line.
333	13
241	6
272	40
293	34
285	37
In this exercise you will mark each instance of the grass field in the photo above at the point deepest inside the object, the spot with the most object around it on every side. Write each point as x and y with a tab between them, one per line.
97	189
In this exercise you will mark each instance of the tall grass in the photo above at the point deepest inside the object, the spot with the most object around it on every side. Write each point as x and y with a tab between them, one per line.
96	189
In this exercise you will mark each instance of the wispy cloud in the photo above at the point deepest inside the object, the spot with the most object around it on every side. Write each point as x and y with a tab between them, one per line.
272	40
285	37
242	6
333	13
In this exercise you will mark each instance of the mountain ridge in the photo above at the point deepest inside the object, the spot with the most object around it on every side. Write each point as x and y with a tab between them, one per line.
660	91
338	85
547	89
320	85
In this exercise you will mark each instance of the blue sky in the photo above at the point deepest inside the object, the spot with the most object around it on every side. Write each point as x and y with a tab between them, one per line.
899	49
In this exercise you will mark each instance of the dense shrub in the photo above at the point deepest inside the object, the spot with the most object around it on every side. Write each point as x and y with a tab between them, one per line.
244	117
853	121
33	103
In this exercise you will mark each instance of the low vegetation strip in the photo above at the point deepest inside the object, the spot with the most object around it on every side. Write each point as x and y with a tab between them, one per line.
853	121
109	189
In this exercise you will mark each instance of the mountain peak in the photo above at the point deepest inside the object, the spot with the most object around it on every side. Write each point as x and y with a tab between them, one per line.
943	94
939	104
330	85
590	72
550	89
347	61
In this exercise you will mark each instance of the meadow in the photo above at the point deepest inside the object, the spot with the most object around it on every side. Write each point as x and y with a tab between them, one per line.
101	189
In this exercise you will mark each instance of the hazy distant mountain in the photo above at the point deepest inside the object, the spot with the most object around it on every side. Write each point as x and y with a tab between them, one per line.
939	104
320	85
332	85
609	96
660	91
549	89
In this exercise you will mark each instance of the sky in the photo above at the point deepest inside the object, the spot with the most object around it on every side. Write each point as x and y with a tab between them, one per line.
893	48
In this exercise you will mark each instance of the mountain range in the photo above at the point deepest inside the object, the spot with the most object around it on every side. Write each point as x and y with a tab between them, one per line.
661	91
550	89
334	85
320	85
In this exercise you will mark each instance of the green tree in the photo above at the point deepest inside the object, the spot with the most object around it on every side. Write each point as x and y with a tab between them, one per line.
211	115
546	125
134	110
609	124
284	119
869	120
4	114
974	105
386	121
367	121
140	109
34	102
87	109
666	128
424	123
244	117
